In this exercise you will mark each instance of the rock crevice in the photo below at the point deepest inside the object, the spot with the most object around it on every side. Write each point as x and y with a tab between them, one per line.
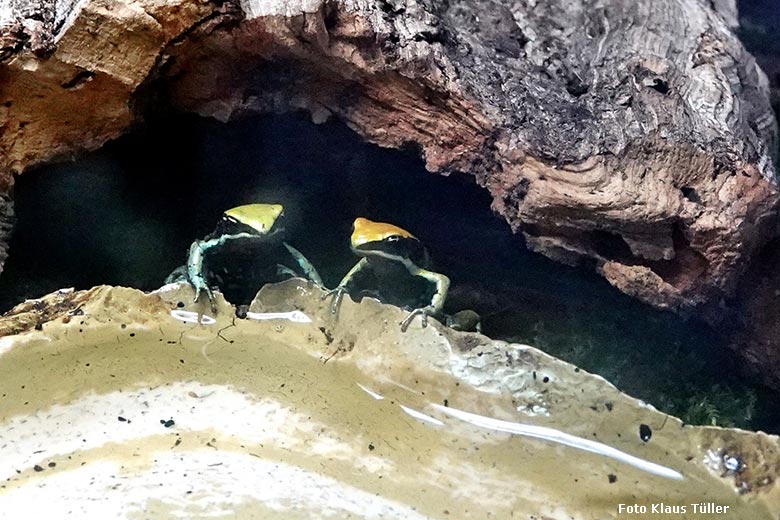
635	138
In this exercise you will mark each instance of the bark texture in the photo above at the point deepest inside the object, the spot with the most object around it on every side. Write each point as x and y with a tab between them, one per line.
634	136
6	224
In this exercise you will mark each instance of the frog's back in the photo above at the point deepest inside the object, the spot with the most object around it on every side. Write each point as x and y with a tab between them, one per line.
241	269
395	284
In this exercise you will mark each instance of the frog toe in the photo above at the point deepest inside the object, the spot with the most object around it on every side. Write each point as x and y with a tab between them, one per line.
422	312
201	287
338	295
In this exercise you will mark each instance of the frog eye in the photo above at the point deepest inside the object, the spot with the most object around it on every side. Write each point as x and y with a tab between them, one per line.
393	238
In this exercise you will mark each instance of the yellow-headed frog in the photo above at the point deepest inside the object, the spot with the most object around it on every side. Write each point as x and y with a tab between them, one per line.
252	229
389	255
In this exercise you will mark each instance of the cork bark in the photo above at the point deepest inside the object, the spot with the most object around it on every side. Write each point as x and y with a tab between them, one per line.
633	137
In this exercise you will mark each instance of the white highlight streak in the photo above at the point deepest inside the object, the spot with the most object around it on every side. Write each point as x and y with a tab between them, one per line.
293	316
553	435
421	416
370	392
192	317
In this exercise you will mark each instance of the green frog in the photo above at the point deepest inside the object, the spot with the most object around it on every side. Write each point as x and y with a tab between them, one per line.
255	229
389	255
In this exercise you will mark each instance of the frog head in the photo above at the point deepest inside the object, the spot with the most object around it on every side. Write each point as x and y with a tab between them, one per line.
256	219
385	240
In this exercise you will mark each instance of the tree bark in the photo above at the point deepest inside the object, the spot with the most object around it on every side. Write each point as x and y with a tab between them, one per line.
635	137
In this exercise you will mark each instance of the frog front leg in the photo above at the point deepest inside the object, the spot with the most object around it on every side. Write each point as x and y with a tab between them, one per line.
442	284
195	275
303	263
341	288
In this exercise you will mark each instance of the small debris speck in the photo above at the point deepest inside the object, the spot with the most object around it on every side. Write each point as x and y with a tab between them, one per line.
645	432
612	478
370	447
545	379
37	468
52	464
732	463
168	423
132	334
328	335
121	419
446	402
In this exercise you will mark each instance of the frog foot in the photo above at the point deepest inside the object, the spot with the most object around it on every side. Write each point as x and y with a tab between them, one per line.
423	312
338	295
200	286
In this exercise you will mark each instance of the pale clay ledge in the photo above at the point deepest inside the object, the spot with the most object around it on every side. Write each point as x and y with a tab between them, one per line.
120	404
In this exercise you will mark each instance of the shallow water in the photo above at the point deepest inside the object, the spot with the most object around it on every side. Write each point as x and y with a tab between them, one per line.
147	415
125	215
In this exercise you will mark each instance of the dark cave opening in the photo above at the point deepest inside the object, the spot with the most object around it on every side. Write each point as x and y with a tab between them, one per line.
126	215
611	246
